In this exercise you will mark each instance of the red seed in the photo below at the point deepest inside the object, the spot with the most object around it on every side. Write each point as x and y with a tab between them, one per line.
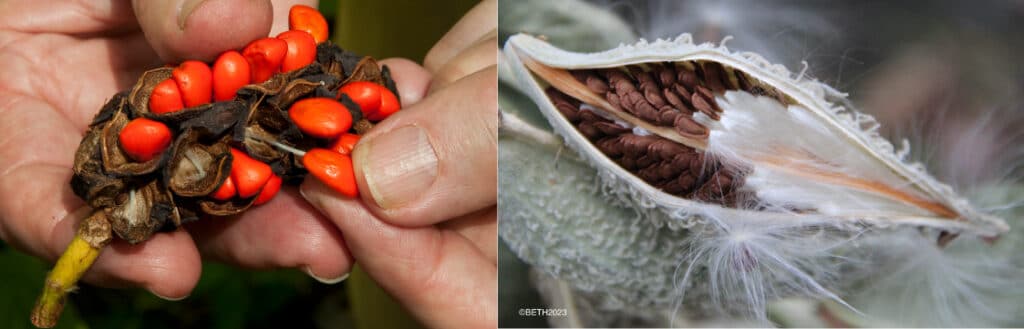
248	174
143	139
364	93
301	50
195	81
388	105
226	191
265	57
345	143
321	117
308	19
333	169
165	98
269	190
230	73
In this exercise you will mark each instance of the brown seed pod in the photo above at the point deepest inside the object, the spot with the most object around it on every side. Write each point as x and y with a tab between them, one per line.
196	169
174	188
115	161
141	211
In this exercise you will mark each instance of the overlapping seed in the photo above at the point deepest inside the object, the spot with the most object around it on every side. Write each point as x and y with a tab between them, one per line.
672	167
666	95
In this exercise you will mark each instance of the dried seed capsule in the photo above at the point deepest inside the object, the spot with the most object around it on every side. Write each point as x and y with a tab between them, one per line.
333	169
197	167
226	191
308	19
301	50
248	174
345	143
265	57
269	190
195	81
321	117
166	98
143	139
230	73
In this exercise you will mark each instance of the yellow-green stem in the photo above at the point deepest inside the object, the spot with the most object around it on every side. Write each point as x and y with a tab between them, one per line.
77	258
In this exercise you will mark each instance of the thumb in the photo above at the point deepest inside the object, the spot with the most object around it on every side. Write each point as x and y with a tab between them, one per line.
436	159
201	29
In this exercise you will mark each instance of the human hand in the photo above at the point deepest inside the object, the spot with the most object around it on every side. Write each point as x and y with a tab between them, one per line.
426	226
60	61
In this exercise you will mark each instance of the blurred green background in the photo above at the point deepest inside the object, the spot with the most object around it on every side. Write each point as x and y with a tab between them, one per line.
229	297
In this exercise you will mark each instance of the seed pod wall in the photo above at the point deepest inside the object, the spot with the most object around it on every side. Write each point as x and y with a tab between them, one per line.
190	142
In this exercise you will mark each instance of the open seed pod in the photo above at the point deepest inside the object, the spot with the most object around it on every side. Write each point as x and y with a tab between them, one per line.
115	160
714	181
651	114
88	181
142	211
138	98
196	169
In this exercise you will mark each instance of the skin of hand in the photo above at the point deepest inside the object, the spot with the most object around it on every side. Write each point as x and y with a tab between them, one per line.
425	227
61	61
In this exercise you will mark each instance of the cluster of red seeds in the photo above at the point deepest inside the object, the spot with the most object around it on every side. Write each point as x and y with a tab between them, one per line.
194	83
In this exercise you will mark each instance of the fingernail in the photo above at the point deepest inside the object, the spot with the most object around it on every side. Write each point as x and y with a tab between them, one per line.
187	8
173	299
398	166
323	280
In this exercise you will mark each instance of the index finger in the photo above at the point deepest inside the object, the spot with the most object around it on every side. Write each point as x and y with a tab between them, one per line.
476	24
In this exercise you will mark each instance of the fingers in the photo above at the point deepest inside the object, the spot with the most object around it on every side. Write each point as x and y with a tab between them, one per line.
481	54
434	160
411	79
168	265
480	228
202	29
73	17
285	232
477	23
431	272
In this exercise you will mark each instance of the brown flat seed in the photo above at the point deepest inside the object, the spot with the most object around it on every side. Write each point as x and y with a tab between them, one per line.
611	129
614	100
703	106
592	80
619	81
597	84
610	147
646	161
588	130
667	115
686	126
713	75
684	95
676	102
709	97
688	78
564	104
628	163
653	96
666	74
